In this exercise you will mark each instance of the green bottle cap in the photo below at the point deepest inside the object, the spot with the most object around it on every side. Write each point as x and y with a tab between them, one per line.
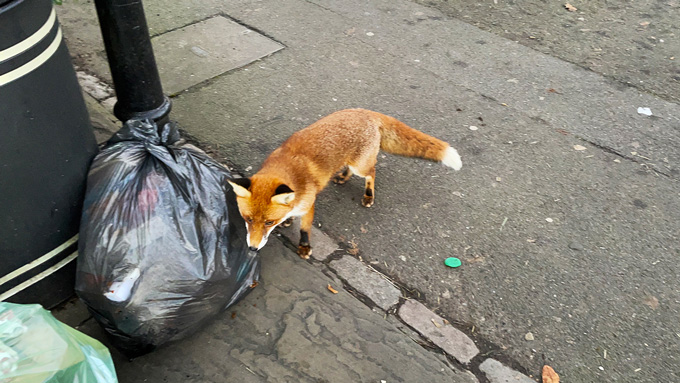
452	262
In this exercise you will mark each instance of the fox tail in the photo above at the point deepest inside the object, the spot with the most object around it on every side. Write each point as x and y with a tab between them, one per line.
398	138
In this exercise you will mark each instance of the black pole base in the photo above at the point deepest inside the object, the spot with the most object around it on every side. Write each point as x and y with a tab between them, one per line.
159	115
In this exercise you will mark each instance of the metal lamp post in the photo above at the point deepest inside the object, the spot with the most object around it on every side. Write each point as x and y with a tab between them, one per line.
131	59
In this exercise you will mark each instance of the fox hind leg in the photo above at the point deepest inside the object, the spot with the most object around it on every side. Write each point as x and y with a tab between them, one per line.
342	176
369	189
365	167
368	173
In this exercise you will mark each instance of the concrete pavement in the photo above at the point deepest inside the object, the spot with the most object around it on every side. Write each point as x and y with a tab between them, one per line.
565	212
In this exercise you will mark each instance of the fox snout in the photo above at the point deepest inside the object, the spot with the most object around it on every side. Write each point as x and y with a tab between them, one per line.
257	232
257	237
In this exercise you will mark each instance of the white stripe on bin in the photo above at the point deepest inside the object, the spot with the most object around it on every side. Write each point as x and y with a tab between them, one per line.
33	64
39	277
31	40
38	261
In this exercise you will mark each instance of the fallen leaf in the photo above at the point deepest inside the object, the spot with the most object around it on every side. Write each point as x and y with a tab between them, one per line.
446	322
652	302
562	132
579	147
552	90
233	314
570	7
529	336
354	249
437	325
363	229
531	240
331	289
644	23
254	284
549	375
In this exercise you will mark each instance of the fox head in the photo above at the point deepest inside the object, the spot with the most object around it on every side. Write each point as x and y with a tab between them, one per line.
264	203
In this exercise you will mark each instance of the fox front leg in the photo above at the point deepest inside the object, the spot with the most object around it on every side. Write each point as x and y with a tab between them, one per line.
304	248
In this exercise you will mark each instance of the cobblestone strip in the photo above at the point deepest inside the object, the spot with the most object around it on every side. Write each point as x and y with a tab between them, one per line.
496	372
430	325
367	281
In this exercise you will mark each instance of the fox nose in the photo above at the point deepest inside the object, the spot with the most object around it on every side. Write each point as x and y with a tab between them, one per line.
252	248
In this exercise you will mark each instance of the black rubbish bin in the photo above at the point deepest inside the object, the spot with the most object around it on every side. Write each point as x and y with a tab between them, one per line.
46	145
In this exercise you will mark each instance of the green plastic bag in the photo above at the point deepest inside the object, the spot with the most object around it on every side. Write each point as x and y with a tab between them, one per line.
37	348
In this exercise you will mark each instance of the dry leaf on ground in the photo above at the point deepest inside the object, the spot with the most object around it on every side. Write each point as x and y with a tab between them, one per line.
331	289
549	375
651	302
570	7
579	147
254	284
354	248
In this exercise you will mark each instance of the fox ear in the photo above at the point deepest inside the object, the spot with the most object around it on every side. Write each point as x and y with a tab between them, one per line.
240	186
283	199
283	195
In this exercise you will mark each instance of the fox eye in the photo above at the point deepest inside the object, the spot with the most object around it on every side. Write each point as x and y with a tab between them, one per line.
269	223
249	220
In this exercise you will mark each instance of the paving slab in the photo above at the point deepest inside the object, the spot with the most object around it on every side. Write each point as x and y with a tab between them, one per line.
290	329
497	372
197	52
430	325
367	281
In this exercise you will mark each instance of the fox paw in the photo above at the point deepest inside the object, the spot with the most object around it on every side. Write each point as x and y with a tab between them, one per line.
367	201
340	179
304	251
287	222
342	176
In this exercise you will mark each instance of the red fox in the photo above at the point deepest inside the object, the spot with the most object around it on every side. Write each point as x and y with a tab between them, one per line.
336	146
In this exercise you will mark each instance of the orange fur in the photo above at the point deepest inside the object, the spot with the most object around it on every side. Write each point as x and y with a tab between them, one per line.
307	160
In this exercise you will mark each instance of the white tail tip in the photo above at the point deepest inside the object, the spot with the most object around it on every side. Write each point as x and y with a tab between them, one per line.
452	159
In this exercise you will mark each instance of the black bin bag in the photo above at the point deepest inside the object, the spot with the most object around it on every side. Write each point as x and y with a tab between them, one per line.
162	245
